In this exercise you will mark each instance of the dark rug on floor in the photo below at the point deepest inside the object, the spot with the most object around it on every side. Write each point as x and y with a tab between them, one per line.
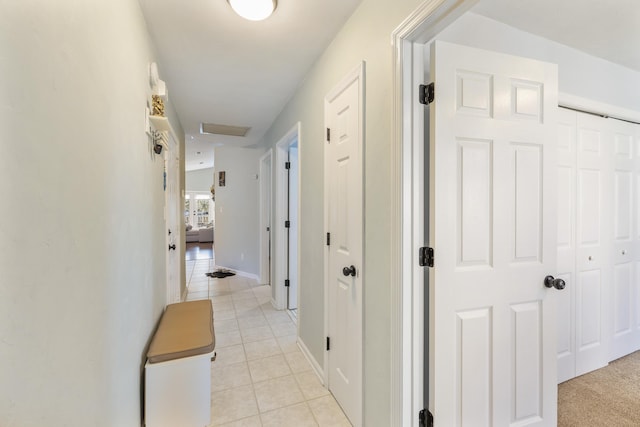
221	273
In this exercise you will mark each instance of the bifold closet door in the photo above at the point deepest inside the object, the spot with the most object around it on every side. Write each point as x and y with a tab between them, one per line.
566	191
584	248
624	293
593	260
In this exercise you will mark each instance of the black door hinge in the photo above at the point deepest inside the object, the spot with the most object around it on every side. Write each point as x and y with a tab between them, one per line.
427	94
425	257
287	224
328	135
328	239
328	344
287	165
287	283
426	418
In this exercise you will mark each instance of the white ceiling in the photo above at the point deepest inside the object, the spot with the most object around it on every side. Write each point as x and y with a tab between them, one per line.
606	29
222	69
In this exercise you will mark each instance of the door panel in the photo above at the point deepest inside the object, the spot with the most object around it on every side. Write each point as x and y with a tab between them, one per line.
172	221
593	271
625	335
527	178
473	331
526	362
566	186
344	209
491	317
474	199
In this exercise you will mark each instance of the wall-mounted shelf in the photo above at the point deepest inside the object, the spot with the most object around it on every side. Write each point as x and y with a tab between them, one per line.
160	123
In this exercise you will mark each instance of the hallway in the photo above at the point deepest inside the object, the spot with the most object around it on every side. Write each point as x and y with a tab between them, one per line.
260	376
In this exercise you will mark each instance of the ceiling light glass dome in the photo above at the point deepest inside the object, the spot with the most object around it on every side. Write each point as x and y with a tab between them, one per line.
253	10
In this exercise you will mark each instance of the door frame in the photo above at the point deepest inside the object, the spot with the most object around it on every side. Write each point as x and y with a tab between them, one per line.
407	204
407	308
278	289
266	206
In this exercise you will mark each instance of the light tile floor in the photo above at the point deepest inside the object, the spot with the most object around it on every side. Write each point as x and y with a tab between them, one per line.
260	376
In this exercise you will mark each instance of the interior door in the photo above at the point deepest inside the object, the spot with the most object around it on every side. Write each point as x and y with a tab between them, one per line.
625	337
493	228
344	209
172	218
566	187
593	264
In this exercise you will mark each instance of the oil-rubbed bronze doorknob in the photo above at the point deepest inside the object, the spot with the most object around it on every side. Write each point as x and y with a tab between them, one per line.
551	282
349	271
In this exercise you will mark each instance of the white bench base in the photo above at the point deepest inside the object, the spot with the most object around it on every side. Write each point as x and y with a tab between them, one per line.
178	392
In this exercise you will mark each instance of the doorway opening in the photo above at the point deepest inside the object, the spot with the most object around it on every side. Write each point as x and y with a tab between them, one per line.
287	226
266	184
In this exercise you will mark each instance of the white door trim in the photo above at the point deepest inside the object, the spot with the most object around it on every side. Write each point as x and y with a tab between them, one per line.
279	291
407	212
265	203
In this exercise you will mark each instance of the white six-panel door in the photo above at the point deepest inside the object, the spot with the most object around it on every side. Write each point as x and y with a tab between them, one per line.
493	228
345	223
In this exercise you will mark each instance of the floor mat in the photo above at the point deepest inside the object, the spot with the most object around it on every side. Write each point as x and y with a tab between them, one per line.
220	273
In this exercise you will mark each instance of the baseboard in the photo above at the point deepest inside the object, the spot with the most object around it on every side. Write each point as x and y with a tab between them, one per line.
312	361
238	272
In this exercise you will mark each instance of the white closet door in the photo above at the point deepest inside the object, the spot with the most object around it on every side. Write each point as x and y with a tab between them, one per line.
566	188
593	272
625	333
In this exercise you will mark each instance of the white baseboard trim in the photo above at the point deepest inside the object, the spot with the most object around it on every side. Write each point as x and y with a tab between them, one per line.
238	272
312	361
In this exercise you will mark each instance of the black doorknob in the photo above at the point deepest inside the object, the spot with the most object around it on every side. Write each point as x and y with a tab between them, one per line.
172	247
349	271
551	282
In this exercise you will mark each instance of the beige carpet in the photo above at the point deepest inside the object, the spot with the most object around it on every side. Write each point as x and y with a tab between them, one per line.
607	397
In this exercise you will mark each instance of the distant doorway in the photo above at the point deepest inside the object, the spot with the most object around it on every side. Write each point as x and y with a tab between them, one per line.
266	179
286	226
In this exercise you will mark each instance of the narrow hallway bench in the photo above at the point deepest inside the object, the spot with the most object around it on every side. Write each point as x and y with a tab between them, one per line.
178	368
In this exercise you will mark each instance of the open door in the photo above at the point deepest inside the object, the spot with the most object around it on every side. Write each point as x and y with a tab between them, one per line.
492	350
172	220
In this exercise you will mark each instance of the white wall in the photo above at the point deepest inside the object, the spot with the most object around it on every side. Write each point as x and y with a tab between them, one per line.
199	180
579	74
82	264
237	209
366	36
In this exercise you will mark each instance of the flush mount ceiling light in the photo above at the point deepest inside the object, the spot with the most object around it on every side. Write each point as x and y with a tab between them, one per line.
253	10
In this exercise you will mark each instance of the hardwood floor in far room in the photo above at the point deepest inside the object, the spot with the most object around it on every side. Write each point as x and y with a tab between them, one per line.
197	251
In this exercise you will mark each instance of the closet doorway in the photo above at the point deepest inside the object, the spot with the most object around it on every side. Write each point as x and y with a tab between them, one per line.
286	226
